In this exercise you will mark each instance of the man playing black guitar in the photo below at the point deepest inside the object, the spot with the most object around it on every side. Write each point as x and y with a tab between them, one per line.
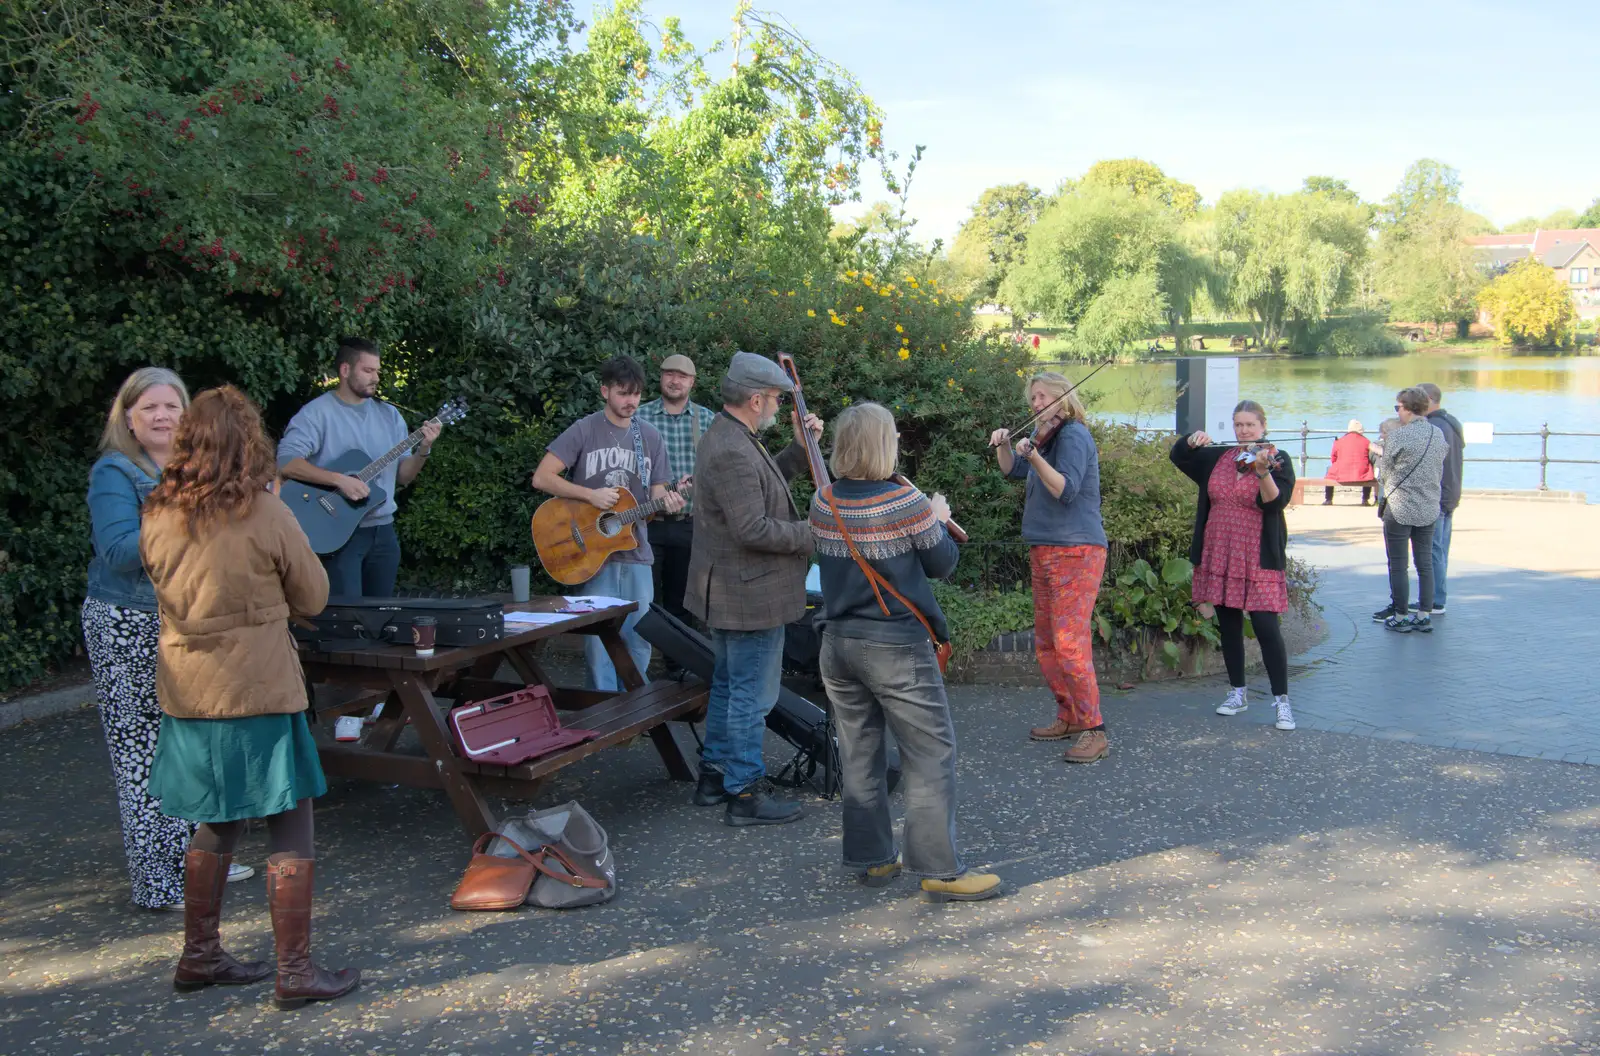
350	419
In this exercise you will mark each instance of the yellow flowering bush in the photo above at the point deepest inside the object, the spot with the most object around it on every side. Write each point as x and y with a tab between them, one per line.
1530	307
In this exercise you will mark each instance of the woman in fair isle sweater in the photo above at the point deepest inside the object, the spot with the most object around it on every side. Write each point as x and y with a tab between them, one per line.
879	662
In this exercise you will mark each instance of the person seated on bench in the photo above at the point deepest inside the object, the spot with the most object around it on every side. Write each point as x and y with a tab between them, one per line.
1350	464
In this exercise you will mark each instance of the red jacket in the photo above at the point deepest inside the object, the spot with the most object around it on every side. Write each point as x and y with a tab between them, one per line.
1350	464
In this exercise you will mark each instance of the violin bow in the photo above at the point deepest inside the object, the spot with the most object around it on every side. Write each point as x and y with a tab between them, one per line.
1034	418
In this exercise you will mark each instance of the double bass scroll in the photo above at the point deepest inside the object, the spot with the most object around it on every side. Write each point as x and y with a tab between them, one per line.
819	469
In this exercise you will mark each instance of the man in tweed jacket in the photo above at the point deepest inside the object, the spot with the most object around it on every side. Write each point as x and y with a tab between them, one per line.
747	573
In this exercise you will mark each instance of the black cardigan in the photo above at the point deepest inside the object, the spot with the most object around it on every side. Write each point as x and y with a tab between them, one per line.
1197	464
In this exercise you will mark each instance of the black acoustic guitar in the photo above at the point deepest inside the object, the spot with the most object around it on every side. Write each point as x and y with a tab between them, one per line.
330	519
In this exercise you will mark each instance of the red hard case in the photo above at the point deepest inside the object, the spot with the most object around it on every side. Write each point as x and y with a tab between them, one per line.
511	729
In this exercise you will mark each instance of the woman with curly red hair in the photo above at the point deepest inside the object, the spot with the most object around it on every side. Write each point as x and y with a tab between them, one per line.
230	565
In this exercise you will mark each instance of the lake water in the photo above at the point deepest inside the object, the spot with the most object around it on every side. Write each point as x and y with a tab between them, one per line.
1516	393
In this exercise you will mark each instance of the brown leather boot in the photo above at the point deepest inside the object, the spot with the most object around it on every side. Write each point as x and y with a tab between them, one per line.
1088	748
204	962
1059	730
289	897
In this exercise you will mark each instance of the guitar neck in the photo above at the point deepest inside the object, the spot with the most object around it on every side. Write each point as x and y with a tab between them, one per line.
378	465
646	510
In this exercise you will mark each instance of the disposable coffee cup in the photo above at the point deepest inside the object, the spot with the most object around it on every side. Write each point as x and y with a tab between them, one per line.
424	631
519	583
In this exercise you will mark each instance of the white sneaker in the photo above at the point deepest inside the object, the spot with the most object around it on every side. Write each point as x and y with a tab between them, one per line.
239	872
1285	713
1234	704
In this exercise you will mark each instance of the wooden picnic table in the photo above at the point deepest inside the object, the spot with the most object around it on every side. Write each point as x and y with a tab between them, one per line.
409	686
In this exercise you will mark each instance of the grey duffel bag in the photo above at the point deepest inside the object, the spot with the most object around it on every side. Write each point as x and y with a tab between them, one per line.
577	868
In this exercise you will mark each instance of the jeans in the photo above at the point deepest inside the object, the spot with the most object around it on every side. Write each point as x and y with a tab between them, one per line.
366	566
1441	556
873	685
1395	538
630	581
744	687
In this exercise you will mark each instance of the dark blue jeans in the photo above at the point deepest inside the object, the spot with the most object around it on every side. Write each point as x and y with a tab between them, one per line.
873	686
744	687
1395	537
1441	556
367	565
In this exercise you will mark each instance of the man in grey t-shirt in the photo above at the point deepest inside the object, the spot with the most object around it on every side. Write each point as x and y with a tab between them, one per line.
334	424
603	451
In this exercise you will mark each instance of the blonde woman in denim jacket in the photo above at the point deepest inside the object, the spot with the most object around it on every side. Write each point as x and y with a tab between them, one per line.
121	628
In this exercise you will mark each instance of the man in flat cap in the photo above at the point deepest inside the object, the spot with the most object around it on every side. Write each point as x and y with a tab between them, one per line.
747	572
681	422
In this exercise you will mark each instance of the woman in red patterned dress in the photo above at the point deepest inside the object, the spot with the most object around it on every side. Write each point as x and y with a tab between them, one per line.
1240	547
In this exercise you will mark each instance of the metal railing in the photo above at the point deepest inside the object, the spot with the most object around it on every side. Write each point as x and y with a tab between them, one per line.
1544	461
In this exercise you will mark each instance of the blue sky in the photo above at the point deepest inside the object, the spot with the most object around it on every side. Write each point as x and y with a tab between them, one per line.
1220	94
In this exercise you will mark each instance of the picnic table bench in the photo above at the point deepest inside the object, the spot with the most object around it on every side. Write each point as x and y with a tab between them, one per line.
407	689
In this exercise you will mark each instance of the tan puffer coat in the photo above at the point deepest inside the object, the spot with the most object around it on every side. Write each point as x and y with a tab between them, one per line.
225	602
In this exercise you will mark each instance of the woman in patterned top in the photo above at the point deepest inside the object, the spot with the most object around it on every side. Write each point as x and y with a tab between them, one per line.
1240	548
879	662
1412	468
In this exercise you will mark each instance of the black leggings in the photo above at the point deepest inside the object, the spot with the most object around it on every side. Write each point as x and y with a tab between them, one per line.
1269	632
287	833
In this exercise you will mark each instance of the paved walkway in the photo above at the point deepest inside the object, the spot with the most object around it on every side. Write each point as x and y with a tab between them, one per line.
1509	668
1214	887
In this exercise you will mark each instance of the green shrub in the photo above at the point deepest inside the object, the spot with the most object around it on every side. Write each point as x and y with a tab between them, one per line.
1359	334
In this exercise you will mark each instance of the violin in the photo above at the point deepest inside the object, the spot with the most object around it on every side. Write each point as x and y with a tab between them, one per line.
819	469
1248	453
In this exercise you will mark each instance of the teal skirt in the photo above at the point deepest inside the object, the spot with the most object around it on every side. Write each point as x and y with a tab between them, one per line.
213	770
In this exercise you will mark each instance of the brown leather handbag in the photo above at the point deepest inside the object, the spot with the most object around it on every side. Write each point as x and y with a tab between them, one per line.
493	881
941	650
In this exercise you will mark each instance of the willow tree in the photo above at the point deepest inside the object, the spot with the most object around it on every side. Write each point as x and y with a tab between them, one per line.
1113	265
994	238
1287	261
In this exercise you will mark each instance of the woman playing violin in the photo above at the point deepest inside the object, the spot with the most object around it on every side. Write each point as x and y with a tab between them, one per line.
1067	552
1240	547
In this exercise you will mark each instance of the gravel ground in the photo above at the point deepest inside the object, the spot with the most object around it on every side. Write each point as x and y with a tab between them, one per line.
1213	887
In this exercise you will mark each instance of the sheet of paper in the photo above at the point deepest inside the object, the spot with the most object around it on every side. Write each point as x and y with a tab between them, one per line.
595	601
535	619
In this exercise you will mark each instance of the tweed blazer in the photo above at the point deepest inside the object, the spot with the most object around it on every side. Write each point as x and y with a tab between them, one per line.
751	550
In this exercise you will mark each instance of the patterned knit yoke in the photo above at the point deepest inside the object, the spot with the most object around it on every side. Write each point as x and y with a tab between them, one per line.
887	525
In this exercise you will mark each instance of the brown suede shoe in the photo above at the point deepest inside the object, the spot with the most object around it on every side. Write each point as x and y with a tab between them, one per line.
1059	730
1090	747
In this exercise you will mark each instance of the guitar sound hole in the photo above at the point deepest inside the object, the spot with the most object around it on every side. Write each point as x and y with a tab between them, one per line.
609	525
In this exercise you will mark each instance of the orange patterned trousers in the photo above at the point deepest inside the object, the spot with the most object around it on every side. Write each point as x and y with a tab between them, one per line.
1066	580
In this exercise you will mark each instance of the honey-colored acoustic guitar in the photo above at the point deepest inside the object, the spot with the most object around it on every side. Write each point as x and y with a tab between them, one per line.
574	538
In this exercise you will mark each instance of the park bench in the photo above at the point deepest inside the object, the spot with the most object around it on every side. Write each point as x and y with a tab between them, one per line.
1302	484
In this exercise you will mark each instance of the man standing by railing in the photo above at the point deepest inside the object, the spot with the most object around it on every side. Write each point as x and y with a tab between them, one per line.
1449	489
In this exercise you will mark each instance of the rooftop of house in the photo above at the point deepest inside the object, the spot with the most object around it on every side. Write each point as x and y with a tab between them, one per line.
1539	243
1561	254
